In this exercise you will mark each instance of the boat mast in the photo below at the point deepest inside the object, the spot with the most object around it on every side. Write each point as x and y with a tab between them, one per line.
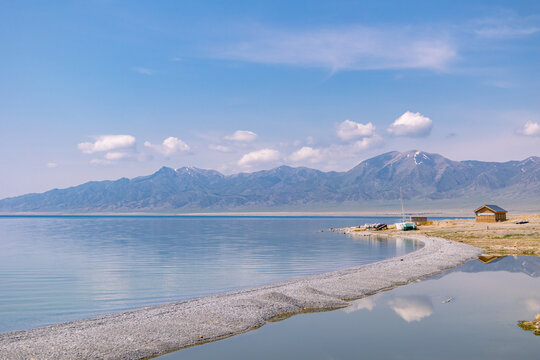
402	209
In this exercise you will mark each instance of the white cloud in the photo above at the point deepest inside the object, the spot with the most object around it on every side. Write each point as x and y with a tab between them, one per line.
116	155
52	165
306	153
220	148
106	143
242	136
169	146
367	143
412	308
143	71
259	156
529	129
348	130
344	48
411	124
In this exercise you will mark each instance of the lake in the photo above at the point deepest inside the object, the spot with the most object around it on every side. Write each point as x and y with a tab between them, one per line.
470	312
60	268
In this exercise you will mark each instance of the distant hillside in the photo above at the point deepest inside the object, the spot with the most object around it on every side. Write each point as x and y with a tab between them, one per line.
422	176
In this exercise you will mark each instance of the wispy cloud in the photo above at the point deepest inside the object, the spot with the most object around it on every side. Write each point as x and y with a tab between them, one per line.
242	136
507	25
143	70
51	165
367	143
116	155
220	148
344	48
506	31
101	162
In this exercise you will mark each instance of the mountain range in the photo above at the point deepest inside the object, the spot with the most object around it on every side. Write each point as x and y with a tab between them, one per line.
420	176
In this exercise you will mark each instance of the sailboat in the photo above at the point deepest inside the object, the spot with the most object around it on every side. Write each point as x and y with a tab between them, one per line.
404	225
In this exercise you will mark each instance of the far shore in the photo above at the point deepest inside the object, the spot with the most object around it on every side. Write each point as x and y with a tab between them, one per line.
441	213
437	213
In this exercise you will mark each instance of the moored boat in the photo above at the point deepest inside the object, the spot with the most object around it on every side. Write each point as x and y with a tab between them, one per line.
406	225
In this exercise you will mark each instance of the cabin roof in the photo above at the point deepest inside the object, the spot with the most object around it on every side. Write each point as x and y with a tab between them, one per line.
493	208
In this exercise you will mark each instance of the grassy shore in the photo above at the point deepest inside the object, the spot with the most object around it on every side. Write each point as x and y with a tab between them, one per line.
503	238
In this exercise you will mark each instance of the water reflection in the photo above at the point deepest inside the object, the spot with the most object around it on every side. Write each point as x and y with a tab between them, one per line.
532	304
519	264
479	323
367	303
55	269
412	308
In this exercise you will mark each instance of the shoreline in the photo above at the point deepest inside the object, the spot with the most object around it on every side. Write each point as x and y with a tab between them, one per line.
518	235
157	330
438	214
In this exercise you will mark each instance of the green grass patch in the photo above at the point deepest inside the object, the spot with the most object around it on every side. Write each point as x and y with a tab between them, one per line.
525	325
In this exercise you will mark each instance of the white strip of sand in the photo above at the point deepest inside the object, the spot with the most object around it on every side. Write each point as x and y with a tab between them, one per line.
157	330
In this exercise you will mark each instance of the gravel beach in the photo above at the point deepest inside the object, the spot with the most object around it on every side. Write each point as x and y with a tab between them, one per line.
152	331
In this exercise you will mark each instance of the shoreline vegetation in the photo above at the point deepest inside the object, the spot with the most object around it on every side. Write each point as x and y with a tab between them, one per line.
519	235
154	331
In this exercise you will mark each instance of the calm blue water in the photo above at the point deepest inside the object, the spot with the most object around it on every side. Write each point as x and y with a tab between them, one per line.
468	313
55	269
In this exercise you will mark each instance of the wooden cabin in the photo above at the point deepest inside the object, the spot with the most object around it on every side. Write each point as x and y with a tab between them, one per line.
419	220
490	214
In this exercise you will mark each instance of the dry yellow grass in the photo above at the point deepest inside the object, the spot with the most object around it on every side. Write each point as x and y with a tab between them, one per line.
503	238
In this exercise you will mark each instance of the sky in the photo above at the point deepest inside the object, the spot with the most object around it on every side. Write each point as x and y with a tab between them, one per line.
103	89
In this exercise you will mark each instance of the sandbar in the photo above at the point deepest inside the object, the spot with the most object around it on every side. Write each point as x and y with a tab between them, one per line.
157	330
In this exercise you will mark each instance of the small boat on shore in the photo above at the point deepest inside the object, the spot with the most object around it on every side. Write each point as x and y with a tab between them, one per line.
376	226
404	225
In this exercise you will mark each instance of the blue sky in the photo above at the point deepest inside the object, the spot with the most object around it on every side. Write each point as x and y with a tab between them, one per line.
96	90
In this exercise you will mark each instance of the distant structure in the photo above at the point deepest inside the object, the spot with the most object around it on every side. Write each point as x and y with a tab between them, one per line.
486	259
490	213
419	220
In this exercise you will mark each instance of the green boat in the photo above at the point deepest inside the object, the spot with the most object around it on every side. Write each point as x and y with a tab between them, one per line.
406	226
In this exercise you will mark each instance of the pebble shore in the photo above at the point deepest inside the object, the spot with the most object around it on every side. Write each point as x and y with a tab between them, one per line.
152	331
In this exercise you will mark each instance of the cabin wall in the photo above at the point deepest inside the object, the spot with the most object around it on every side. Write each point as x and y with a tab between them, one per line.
491	218
485	218
419	220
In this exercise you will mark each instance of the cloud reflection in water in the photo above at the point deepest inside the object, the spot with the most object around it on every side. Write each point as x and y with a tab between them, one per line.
367	303
412	308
